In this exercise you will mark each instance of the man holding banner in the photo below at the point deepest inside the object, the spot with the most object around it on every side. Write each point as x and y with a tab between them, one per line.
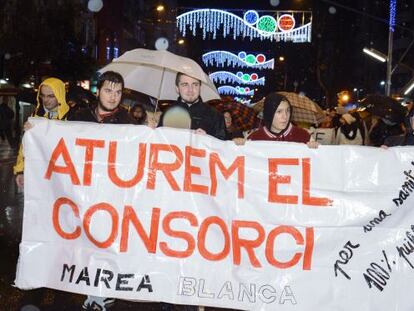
51	104
109	92
165	215
204	119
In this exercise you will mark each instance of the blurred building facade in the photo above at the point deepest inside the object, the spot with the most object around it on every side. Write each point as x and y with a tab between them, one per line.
373	33
123	25
63	38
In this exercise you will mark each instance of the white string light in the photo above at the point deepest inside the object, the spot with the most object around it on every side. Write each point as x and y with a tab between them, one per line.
230	90
239	77
241	60
250	26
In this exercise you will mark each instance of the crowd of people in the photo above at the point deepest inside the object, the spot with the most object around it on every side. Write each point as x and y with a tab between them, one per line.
203	119
351	129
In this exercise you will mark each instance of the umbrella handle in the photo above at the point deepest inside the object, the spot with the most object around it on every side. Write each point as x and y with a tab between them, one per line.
156	106
159	90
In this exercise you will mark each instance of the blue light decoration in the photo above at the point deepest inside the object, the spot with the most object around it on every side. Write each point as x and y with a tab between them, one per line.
238	90
115	48
107	49
393	10
108	53
241	60
251	17
239	77
116	52
280	26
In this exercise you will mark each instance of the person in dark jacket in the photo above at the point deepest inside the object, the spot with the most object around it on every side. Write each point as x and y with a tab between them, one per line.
231	132
110	87
138	113
107	110
407	139
204	119
385	132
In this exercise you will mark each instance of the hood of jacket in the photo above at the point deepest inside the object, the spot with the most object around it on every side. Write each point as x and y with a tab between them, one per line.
271	102
59	90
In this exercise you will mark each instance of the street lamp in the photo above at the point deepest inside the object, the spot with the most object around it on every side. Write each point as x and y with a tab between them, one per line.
375	54
409	87
345	97
386	58
383	58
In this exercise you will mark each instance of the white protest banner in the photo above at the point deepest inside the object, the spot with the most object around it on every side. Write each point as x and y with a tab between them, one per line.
167	215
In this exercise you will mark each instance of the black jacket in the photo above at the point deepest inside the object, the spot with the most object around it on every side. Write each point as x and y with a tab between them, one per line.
119	116
205	117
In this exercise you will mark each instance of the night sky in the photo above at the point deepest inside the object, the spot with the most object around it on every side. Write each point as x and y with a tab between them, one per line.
334	58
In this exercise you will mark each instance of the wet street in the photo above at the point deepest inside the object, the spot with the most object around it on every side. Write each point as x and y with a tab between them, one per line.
14	299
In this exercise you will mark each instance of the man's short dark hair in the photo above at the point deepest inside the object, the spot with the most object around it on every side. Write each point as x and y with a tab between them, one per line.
110	76
178	77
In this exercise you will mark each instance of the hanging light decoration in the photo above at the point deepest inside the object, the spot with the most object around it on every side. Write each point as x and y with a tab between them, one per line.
393	8
252	25
238	90
241	60
239	78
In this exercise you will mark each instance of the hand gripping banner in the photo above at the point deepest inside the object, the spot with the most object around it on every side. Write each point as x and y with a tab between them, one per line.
167	215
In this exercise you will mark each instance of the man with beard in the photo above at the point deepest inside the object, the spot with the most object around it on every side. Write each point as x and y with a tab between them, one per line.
204	119
109	94
107	110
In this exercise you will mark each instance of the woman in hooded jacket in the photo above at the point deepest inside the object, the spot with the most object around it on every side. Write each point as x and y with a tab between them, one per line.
277	125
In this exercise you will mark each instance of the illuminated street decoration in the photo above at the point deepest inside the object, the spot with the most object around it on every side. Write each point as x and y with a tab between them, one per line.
230	90
286	22
241	60
281	27
239	77
393	8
